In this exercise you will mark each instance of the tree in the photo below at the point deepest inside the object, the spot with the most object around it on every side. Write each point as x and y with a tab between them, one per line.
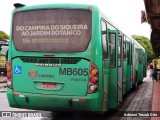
3	35
146	44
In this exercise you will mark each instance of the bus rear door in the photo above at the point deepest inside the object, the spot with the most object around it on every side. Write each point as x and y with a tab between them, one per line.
113	82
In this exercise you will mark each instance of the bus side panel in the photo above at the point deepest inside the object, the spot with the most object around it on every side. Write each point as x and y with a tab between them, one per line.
10	97
124	76
128	80
105	96
140	73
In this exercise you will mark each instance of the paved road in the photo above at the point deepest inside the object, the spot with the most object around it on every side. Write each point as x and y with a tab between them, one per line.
138	100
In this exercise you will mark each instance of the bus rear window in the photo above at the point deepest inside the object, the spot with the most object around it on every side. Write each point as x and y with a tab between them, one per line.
52	30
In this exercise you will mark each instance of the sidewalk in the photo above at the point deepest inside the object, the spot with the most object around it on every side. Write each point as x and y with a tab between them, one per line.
142	101
156	98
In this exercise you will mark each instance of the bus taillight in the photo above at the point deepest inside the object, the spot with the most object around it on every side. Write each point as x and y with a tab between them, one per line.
9	74
94	72
93	78
93	87
9	69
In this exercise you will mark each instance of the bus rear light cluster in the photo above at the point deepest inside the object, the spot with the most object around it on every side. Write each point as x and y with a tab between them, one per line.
93	78
9	74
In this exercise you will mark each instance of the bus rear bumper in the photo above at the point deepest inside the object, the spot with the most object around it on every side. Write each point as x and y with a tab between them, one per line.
91	102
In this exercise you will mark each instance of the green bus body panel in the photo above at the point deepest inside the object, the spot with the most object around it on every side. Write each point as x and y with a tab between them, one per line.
128	76
128	81
11	98
113	78
140	73
70	79
105	84
124	76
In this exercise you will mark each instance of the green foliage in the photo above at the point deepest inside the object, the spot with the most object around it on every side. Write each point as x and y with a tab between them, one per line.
146	44
3	35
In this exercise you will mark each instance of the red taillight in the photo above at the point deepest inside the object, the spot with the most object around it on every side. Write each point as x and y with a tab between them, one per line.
93	79
82	100
16	95
9	76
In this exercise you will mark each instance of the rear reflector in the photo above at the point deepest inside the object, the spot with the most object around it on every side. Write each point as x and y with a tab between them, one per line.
79	100
82	100
18	95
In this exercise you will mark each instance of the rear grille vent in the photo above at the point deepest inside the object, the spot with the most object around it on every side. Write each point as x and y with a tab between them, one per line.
50	60
69	61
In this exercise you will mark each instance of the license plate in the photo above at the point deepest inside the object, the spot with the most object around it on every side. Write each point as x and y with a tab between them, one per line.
49	85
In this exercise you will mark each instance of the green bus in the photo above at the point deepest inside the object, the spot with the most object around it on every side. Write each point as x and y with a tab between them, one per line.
70	57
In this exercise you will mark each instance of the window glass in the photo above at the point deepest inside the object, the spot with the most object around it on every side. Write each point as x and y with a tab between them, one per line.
52	30
104	40
113	50
128	53
124	48
119	50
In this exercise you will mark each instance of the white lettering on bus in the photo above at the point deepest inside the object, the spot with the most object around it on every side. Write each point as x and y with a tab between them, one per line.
40	33
66	32
38	27
44	30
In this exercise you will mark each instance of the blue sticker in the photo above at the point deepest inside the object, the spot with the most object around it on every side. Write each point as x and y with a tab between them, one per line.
17	69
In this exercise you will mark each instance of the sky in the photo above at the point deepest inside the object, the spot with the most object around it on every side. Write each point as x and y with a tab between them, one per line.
126	14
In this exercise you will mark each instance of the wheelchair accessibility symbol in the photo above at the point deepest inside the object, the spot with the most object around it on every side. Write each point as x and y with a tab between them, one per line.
17	69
